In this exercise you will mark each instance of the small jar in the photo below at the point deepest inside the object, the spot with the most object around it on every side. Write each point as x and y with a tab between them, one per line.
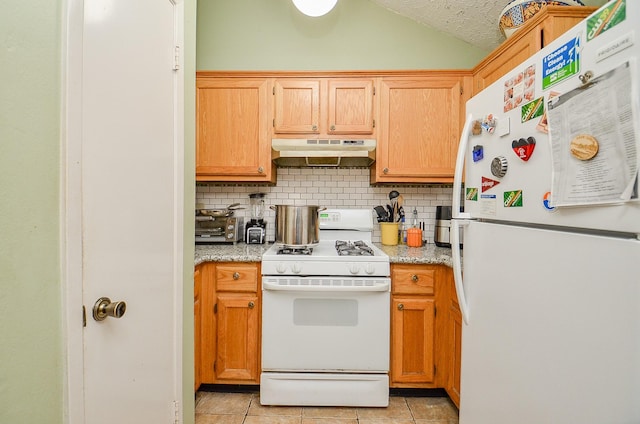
414	237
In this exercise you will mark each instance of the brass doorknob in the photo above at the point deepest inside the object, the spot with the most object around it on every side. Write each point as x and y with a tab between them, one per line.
236	275
251	305
414	278
104	308
400	306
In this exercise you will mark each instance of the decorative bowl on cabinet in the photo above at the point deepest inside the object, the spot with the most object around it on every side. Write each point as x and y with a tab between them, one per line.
517	12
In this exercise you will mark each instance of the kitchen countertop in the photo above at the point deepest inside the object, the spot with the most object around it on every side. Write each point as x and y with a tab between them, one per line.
241	252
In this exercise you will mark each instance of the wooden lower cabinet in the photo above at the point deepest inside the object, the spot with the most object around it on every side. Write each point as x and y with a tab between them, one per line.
425	330
413	336
230	323
454	333
197	320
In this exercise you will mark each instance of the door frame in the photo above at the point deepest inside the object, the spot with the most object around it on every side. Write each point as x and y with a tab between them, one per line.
70	208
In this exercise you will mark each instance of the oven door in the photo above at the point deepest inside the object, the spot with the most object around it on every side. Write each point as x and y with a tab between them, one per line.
325	324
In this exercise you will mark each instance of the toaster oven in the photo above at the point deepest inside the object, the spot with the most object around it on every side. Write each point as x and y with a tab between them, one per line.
211	229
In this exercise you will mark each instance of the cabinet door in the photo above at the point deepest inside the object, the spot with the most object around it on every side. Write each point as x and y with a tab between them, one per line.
412	340
207	323
419	129
197	284
237	336
350	106
454	350
297	106
232	140
517	53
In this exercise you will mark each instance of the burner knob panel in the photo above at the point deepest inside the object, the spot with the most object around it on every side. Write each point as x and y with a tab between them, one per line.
354	269
296	268
369	269
281	268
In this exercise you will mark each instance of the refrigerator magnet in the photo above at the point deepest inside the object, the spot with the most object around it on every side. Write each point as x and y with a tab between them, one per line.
512	199
532	110
476	128
546	202
488	183
499	166
478	153
489	123
471	194
584	147
524	147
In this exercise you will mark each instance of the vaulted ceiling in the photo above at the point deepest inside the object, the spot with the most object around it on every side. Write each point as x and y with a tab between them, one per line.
473	21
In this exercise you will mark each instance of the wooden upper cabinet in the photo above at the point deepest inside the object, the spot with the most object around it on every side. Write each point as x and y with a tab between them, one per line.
323	107
420	121
542	29
297	106
351	106
233	138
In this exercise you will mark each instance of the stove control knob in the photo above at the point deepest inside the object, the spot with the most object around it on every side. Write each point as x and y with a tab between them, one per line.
369	269
281	268
354	269
296	268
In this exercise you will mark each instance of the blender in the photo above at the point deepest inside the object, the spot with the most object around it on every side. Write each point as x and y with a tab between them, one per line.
256	227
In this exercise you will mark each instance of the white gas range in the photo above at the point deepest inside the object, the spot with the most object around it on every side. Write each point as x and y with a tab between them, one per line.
325	318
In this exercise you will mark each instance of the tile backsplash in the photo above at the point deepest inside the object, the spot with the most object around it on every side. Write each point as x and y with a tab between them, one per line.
327	187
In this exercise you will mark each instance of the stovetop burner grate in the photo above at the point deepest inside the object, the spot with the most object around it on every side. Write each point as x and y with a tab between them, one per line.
295	251
353	248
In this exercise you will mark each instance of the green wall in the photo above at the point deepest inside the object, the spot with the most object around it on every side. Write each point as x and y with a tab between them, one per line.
356	35
31	345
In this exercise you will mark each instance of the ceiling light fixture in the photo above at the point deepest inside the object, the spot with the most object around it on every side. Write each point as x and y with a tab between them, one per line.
315	8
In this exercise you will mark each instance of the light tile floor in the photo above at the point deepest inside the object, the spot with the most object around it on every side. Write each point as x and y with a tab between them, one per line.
245	408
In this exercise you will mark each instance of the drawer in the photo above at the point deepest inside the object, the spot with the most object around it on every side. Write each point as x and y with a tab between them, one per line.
237	277
413	279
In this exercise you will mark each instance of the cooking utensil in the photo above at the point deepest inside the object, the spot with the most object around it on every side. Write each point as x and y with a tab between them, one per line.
383	215
218	213
297	227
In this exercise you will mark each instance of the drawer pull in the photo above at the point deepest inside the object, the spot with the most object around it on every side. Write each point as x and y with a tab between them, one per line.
236	276
400	306
414	278
251	305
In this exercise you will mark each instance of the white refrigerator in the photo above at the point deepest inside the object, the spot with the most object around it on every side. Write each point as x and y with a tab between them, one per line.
548	281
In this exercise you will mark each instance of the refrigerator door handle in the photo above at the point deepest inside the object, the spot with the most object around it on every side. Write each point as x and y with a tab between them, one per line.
457	176
457	267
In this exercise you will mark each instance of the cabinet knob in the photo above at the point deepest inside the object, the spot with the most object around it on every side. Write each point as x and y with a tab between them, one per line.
236	275
260	169
314	128
385	171
332	128
414	278
251	305
400	306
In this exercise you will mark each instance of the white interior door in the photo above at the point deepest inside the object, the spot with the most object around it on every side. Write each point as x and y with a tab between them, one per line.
130	163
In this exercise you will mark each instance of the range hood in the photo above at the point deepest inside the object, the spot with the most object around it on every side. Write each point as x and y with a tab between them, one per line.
350	153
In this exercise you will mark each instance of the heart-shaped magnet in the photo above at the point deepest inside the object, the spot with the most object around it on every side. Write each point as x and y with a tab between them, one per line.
524	148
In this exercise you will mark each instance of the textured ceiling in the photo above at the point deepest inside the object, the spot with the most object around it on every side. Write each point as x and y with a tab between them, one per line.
473	21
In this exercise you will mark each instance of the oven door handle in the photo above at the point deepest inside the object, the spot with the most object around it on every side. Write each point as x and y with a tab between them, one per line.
301	288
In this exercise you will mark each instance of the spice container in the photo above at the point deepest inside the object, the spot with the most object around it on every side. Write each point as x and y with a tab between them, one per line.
414	237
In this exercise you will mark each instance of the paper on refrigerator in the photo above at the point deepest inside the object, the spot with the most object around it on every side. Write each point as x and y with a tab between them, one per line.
606	110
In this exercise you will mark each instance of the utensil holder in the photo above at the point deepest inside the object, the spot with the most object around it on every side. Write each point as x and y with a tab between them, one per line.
389	233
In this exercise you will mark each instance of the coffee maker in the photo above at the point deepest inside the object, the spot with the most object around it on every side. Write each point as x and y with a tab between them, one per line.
256	227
